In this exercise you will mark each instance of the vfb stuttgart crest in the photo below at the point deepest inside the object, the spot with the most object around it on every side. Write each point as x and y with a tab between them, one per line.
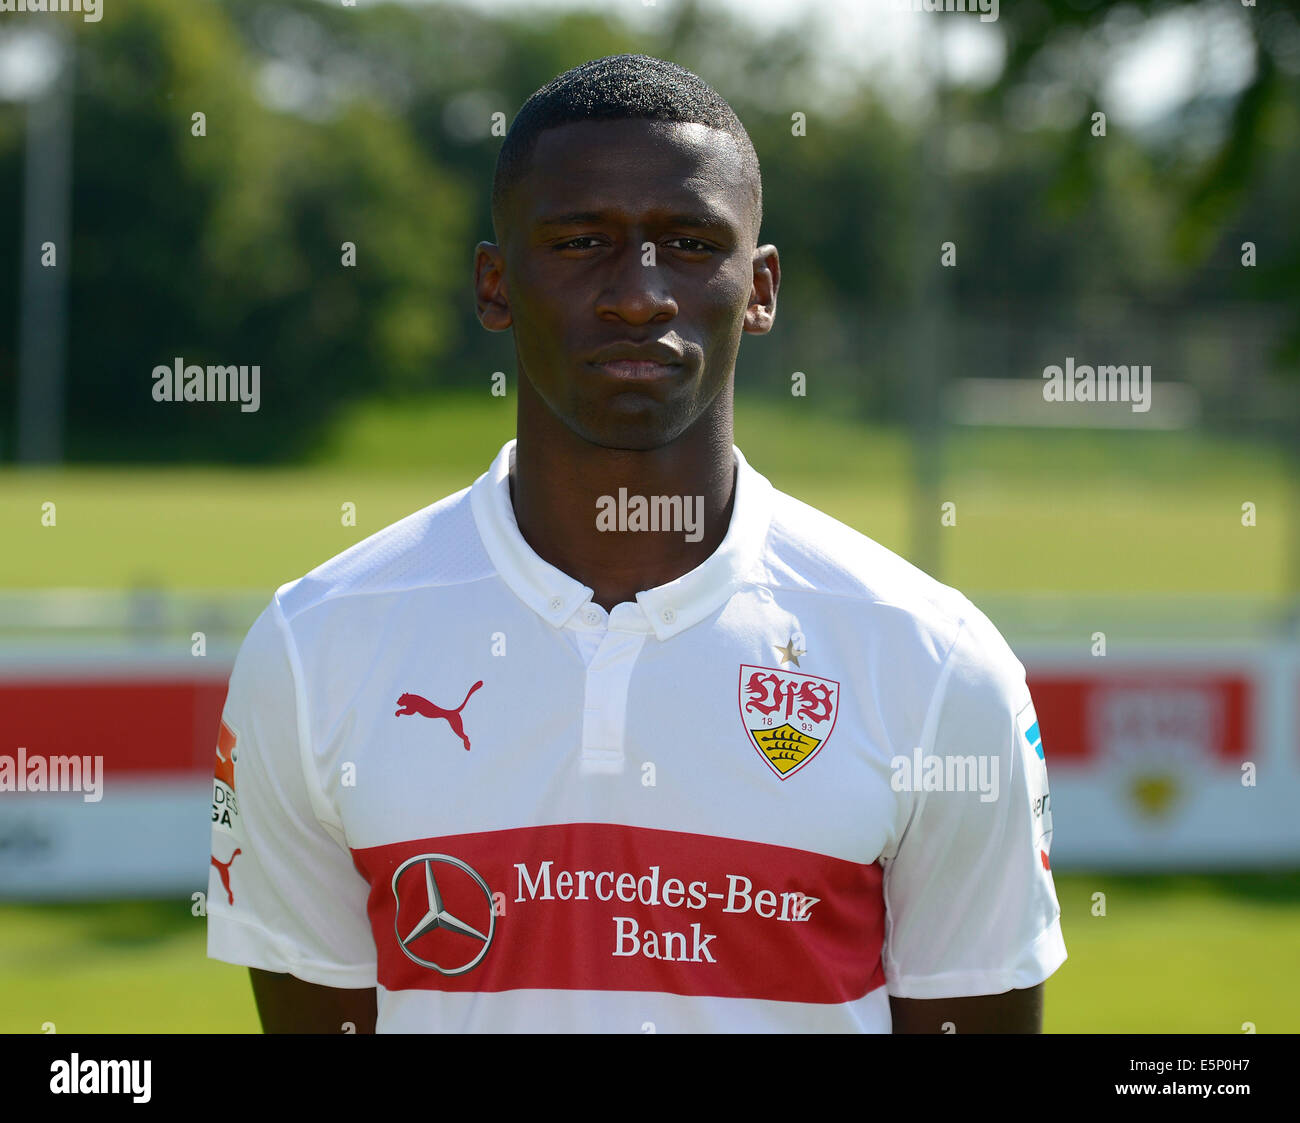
788	717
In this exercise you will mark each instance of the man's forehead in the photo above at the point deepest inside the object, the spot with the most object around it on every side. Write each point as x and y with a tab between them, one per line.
644	160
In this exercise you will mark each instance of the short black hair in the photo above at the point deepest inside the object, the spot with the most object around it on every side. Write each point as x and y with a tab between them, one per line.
619	87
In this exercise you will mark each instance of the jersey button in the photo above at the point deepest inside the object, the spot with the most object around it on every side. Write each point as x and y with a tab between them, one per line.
557	603
668	615
591	616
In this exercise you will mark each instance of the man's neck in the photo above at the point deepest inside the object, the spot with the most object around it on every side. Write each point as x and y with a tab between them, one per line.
557	488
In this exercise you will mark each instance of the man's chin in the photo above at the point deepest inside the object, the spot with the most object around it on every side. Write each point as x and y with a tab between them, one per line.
635	430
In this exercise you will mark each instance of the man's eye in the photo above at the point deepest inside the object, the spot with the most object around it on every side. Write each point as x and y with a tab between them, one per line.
571	243
697	247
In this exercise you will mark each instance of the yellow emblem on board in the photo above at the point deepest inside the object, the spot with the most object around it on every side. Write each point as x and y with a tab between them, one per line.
1155	793
784	746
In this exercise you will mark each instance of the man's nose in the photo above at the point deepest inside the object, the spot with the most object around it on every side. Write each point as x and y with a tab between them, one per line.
636	291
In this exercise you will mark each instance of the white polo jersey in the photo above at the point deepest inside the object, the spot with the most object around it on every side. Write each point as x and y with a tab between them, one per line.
765	796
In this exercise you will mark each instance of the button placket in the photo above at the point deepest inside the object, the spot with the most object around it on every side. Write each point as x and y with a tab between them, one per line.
604	717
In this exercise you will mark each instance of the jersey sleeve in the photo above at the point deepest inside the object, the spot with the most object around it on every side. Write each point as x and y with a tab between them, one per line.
970	906
283	893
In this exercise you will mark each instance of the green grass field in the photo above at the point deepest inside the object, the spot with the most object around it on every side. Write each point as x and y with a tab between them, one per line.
1179	954
1071	512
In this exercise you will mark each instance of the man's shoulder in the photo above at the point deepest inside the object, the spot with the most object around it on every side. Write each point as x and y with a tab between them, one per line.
807	548
436	545
811	550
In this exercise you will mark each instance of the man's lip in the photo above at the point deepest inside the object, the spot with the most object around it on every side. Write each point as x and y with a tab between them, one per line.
636	369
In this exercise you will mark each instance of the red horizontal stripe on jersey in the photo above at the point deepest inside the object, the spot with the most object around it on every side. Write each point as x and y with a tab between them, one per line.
543	941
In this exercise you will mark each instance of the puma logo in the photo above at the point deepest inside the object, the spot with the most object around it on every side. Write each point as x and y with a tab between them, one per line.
414	704
223	868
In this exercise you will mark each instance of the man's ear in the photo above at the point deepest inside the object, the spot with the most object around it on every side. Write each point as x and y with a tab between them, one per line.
761	312
490	298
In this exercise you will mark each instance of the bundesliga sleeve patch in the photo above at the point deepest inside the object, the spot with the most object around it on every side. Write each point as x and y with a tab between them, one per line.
225	807
1040	800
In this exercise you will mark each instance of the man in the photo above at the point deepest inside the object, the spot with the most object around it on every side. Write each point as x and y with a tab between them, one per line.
620	738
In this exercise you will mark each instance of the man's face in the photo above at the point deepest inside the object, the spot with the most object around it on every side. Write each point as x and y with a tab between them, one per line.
633	233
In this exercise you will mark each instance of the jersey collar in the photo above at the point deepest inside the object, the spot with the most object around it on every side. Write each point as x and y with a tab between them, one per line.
664	610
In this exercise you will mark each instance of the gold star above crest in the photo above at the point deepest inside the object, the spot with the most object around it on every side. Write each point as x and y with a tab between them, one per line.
788	653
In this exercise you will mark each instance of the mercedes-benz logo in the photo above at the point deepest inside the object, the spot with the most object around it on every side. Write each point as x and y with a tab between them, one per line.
438	916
